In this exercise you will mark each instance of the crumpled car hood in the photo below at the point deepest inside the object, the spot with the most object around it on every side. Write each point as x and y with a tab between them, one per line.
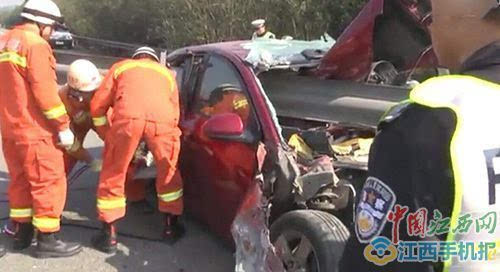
389	30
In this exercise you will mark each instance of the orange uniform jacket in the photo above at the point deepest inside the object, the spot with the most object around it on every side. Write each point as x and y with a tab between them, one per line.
81	122
145	102
31	113
232	102
30	106
128	99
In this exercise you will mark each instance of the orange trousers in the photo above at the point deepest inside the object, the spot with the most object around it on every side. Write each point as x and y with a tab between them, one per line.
135	190
37	189
119	146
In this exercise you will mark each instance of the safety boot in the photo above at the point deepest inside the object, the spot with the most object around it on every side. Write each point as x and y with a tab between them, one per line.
173	230
105	240
49	246
3	251
23	235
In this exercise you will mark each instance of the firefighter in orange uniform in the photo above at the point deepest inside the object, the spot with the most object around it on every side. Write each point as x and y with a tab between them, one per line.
35	130
228	99
145	102
83	79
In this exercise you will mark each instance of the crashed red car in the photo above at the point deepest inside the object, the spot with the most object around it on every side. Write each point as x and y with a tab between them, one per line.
295	157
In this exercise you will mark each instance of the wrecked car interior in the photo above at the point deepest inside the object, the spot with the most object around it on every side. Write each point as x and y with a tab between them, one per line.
325	99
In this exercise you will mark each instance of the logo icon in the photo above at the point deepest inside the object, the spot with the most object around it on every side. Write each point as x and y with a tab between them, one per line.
377	201
366	222
380	251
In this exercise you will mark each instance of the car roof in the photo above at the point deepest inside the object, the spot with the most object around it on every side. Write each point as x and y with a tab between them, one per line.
272	53
233	47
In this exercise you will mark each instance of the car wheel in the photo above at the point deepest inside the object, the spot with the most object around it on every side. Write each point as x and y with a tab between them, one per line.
309	241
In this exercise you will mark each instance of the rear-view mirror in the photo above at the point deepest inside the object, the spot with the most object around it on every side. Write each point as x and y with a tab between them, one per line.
227	126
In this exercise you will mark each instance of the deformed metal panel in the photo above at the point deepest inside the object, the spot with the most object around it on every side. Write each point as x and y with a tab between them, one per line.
330	101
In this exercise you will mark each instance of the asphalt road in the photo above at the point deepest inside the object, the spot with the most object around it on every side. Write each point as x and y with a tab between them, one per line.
198	251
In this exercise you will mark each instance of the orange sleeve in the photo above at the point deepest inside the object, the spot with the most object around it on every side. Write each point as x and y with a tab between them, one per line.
41	75
101	102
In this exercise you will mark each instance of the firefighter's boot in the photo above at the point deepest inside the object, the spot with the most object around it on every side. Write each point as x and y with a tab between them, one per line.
105	240
174	230
23	235
49	246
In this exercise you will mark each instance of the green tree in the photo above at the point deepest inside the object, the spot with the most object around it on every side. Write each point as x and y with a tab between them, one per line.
174	23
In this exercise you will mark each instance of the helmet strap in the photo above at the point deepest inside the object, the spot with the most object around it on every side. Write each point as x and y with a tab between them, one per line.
41	28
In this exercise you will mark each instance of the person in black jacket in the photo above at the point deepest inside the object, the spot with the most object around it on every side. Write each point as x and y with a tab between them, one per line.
411	152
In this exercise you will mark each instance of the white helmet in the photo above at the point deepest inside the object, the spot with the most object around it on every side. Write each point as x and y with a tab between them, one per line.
44	12
258	23
83	76
146	50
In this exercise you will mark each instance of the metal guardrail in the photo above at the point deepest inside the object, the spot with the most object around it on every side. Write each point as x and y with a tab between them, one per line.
106	43
68	56
105	47
118	49
62	70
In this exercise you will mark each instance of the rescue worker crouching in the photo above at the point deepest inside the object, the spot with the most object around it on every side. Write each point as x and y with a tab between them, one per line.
83	79
435	158
145	102
35	130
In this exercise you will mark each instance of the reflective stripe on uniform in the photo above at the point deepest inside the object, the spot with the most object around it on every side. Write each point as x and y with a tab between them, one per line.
14	58
449	92
21	213
110	204
152	66
171	197
55	112
46	222
100	121
241	103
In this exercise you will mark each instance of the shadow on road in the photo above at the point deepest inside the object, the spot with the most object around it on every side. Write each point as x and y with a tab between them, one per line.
199	250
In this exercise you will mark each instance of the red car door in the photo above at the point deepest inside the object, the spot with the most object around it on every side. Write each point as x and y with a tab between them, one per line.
217	171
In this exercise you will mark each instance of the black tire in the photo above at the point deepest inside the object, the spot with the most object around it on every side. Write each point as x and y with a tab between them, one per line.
326	237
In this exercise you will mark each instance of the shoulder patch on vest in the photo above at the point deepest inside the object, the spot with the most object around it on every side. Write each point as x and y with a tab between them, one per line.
394	113
377	200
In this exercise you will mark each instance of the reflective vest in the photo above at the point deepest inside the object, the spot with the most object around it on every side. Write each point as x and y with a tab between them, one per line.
475	155
267	35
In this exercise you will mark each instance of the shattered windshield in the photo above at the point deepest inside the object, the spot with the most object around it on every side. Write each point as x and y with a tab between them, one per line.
272	53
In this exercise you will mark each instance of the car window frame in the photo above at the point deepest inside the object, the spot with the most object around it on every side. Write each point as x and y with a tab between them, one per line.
186	86
253	130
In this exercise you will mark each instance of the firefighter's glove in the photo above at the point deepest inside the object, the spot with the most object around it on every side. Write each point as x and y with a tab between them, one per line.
66	138
96	165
